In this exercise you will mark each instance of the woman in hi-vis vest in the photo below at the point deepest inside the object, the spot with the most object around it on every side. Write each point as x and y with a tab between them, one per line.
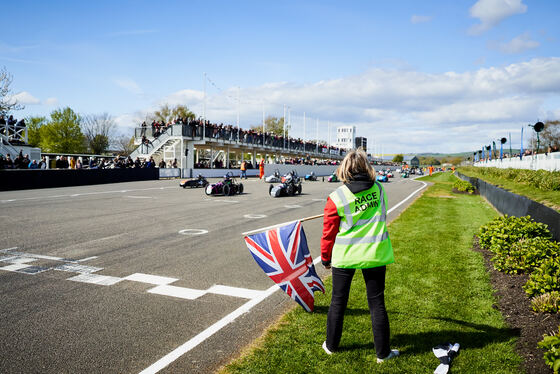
355	237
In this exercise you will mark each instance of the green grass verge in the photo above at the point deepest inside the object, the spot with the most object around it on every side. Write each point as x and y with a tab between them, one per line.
548	198
437	291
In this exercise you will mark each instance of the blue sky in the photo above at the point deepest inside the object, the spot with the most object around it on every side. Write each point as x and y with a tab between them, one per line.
414	76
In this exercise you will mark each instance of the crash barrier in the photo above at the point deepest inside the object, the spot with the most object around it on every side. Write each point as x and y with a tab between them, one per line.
301	170
507	202
218	173
169	173
550	162
28	179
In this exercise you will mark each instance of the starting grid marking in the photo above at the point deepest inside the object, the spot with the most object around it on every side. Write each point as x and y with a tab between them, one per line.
19	262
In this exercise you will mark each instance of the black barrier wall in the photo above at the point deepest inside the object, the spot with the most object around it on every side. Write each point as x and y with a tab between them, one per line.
27	179
507	202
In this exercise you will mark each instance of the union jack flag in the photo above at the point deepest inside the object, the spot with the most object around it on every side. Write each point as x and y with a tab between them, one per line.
283	255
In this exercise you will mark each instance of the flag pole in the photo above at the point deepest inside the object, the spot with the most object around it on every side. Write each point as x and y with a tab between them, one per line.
282	224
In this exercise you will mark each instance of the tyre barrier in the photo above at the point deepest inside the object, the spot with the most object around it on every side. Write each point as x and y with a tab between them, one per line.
509	203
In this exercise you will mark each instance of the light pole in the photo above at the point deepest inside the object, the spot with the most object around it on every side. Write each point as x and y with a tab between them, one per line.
538	127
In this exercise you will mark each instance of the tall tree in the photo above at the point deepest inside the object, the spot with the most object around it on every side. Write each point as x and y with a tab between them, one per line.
274	125
63	133
98	130
7	103
166	114
550	136
125	145
34	130
398	158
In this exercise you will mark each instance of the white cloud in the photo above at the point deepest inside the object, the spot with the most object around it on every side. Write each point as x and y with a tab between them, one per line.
492	12
129	85
24	98
51	101
519	44
415	19
404	110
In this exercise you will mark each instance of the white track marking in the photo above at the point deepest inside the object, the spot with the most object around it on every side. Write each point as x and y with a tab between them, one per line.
14	267
193	232
424	184
254	216
43	257
139	197
234	291
102	280
321	200
211	330
87	259
151	279
292	206
19	260
180	292
74	268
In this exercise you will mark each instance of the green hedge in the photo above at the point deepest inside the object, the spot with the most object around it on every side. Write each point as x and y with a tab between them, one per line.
522	245
541	179
463	186
551	343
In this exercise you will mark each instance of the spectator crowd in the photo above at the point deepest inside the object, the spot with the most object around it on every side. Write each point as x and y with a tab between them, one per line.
194	128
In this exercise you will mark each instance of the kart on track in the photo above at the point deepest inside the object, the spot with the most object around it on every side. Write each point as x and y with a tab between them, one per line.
332	178
311	176
199	181
290	185
226	187
404	174
274	178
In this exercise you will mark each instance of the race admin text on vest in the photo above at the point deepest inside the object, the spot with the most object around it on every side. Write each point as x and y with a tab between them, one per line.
367	201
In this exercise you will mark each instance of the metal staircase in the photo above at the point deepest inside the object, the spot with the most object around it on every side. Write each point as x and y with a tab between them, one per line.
155	147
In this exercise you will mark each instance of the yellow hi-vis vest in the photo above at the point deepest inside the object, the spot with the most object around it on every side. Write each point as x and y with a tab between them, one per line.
362	241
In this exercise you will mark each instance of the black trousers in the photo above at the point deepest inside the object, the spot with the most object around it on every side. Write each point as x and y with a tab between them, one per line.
375	289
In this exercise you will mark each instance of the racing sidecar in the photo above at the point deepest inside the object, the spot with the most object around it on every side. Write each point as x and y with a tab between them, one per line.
311	176
274	178
227	187
291	184
332	178
199	181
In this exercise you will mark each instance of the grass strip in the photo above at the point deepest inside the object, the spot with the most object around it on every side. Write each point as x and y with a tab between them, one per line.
548	198
437	291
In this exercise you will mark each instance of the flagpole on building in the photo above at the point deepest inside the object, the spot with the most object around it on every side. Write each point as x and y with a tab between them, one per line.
282	224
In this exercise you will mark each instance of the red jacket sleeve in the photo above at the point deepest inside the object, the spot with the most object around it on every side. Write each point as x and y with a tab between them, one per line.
331	223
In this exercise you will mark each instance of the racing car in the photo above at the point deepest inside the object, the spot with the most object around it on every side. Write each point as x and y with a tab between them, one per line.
226	187
390	174
199	181
291	184
274	178
311	176
332	178
382	178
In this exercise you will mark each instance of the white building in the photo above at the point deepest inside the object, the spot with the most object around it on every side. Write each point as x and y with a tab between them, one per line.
345	137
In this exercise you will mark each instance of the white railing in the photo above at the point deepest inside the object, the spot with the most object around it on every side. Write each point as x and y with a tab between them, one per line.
550	162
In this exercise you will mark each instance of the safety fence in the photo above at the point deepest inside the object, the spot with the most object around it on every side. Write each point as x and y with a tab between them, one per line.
544	161
29	179
509	203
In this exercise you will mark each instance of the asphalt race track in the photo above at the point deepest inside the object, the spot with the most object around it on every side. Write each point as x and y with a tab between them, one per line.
113	278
